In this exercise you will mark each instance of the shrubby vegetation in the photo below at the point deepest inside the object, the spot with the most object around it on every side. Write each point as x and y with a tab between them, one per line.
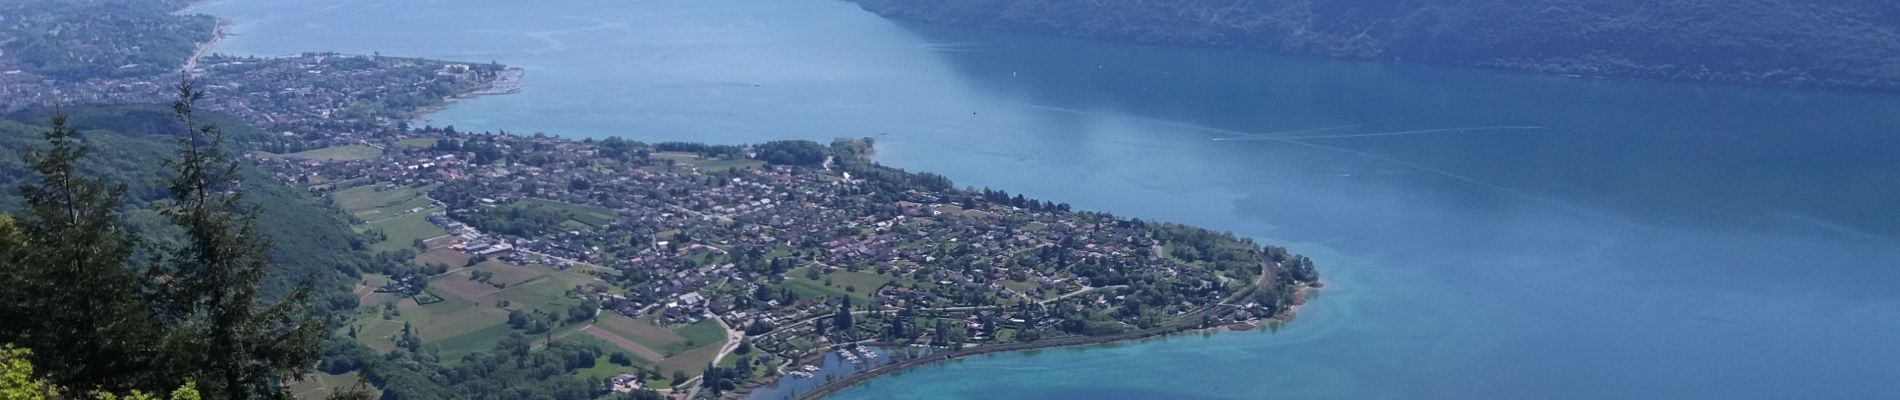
791	152
19	381
1825	43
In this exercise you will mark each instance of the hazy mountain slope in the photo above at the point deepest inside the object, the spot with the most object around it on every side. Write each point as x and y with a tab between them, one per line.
1849	43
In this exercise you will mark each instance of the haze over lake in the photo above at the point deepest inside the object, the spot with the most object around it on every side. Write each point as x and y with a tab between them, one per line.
1485	234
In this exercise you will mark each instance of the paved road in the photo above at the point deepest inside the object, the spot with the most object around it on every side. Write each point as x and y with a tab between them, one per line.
732	342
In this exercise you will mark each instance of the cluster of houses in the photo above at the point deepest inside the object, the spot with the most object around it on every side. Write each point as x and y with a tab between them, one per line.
691	243
755	246
312	100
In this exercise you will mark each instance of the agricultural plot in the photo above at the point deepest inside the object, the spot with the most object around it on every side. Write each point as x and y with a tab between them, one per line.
403	231
728	164
377	333
436	255
461	285
706	164
593	217
474	341
686	348
603	366
417	143
400	213
351	152
859	286
861	280
810	289
510	274
691	360
468	318
376	201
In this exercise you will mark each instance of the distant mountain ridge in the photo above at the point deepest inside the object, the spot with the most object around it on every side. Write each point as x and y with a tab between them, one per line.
1848	44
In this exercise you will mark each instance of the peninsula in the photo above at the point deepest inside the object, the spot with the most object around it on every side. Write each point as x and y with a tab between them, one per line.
676	269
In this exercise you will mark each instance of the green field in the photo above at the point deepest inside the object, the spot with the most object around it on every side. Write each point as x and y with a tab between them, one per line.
678	348
592	216
368	203
467	319
865	283
697	335
400	213
378	333
733	359
603	368
351	152
694	160
451	258
417	143
454	348
403	231
808	289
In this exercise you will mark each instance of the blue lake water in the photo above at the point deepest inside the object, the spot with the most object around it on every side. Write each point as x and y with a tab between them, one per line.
1486	234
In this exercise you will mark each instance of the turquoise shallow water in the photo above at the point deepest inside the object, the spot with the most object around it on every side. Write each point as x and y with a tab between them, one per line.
1487	234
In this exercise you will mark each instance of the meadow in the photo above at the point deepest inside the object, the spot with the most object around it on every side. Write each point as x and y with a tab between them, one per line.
352	152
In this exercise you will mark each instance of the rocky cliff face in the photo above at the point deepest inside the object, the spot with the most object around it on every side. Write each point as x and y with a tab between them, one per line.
1807	43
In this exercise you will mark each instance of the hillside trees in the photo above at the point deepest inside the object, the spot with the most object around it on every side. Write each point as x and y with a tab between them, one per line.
240	348
69	294
77	298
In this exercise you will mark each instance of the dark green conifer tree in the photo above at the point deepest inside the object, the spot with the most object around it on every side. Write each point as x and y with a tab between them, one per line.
67	293
235	347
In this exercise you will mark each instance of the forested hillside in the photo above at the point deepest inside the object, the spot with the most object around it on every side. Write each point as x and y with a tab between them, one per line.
130	144
309	240
1808	43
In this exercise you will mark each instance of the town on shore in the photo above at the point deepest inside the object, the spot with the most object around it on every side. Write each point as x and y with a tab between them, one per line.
694	270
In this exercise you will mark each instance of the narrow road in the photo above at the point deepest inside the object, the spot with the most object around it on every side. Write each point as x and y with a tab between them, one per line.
733	337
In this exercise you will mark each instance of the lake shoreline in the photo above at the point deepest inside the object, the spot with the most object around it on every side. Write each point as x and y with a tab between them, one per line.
861	377
218	34
507	81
